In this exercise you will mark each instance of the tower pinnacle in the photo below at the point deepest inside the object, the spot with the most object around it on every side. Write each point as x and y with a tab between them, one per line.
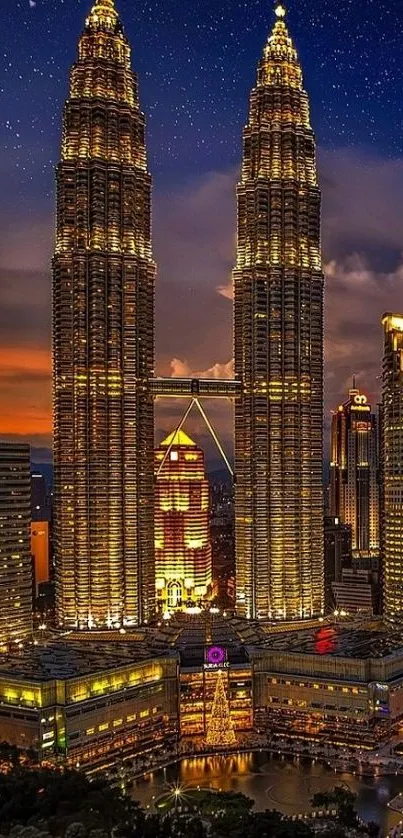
280	11
103	15
280	64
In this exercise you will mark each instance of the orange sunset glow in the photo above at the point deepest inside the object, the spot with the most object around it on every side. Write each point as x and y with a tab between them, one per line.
25	383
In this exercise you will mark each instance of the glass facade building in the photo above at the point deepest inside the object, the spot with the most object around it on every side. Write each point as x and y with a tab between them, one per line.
15	544
392	467
103	341
278	325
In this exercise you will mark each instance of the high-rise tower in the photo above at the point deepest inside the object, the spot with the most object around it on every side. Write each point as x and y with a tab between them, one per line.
182	522
15	545
278	311
103	341
354	488
392	467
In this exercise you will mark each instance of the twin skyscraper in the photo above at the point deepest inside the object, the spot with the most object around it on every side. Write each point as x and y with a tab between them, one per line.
103	345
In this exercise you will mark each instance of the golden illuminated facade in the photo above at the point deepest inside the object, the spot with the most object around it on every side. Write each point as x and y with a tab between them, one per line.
197	691
278	312
354	489
392	467
15	545
103	341
183	562
96	702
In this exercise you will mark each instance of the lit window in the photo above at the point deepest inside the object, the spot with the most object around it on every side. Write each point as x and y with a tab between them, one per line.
174	456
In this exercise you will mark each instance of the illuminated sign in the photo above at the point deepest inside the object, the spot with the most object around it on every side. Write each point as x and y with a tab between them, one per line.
360	402
215	657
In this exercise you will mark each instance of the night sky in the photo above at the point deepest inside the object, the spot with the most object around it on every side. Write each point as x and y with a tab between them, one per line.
196	62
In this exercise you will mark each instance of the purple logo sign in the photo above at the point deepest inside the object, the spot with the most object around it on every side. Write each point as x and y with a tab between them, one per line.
215	655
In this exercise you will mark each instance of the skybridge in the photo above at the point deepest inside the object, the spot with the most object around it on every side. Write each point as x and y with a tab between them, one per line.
204	388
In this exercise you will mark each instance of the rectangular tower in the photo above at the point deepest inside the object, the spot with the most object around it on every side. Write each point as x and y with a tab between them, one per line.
392	467
15	544
354	489
278	324
103	341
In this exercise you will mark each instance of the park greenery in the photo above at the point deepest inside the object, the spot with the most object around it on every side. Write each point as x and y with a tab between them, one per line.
45	803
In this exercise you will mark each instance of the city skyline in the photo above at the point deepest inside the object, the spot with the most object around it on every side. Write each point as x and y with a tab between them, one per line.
157	615
25	352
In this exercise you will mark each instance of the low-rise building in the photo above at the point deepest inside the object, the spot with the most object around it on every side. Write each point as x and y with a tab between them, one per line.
339	684
94	699
81	701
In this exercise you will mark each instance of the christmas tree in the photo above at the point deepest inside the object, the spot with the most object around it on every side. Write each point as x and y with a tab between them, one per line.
220	729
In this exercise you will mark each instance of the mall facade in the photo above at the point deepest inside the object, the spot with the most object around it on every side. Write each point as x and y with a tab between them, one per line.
95	700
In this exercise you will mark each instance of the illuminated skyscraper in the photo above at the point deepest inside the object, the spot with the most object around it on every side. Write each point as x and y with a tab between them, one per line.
103	341
15	543
392	466
354	489
278	311
182	522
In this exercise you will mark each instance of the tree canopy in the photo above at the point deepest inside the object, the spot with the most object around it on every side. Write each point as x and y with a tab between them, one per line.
45	803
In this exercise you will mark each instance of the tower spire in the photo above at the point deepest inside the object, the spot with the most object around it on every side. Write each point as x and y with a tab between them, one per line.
280	65
103	15
280	10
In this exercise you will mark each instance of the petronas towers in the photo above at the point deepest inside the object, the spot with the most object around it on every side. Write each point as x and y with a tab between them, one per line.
103	345
103	341
278	330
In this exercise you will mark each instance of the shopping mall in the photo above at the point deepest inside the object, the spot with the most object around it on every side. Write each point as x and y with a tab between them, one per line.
94	699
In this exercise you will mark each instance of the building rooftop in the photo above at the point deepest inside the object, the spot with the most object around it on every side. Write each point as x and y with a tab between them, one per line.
190	634
178	438
71	656
350	640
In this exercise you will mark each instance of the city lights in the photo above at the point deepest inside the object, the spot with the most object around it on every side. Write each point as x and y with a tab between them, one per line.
193	618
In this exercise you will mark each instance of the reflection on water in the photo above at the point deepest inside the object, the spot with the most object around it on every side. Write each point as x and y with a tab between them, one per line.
274	782
213	768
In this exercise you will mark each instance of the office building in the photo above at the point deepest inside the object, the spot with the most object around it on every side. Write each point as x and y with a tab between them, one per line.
103	341
354	485
337	556
355	592
392	467
15	546
278	329
40	550
40	498
183	563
